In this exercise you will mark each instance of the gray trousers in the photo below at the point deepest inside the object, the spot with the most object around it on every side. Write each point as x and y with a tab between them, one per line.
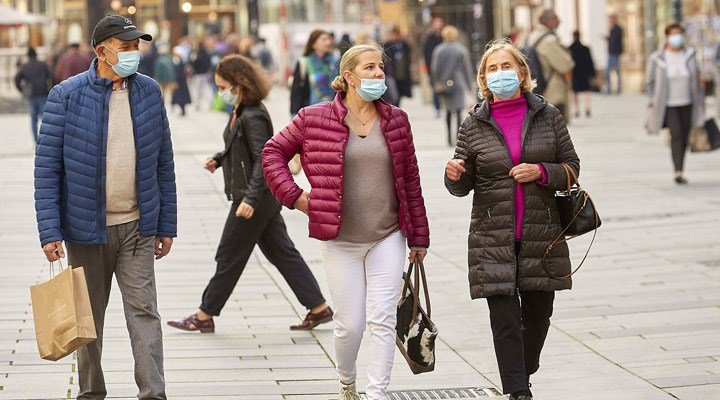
130	258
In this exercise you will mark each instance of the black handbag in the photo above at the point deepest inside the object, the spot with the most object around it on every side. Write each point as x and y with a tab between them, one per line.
444	88
416	333
578	216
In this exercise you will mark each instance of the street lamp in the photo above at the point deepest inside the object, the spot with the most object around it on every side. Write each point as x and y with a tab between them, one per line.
186	7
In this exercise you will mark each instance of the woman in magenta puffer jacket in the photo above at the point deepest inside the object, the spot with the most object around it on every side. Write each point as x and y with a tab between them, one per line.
365	205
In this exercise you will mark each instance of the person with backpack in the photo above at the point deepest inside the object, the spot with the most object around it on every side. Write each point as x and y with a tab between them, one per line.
550	62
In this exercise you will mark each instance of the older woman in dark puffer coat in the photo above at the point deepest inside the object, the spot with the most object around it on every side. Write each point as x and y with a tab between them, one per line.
509	152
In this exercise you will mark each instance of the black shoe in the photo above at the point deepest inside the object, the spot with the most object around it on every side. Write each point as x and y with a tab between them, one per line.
521	395
680	180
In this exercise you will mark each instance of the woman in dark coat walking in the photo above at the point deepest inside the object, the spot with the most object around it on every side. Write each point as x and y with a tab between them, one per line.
181	94
254	217
582	74
509	152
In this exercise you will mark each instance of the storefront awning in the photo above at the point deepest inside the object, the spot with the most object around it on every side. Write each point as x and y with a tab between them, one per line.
11	16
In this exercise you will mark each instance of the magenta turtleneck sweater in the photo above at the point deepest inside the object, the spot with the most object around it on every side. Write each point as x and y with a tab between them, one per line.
509	115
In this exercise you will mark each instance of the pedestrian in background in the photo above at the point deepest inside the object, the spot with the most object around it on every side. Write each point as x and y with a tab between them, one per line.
148	55
71	63
432	41
313	73
676	94
583	74
34	80
105	185
181	94
615	50
514	172
555	60
397	50
254	217
202	90
453	76
365	205
164	71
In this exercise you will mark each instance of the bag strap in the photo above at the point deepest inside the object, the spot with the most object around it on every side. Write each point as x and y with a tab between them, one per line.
558	241
416	272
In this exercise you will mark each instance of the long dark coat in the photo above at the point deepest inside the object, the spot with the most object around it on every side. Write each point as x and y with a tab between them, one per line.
491	255
181	95
584	69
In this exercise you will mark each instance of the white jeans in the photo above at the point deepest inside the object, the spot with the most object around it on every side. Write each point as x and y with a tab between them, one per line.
365	280
202	91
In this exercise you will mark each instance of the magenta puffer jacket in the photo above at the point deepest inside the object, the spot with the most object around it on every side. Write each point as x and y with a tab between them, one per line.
319	134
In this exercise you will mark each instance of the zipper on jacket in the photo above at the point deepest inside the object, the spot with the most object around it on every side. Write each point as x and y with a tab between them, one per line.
526	125
242	165
137	163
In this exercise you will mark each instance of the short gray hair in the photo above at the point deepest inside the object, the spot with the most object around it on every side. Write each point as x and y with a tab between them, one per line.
546	16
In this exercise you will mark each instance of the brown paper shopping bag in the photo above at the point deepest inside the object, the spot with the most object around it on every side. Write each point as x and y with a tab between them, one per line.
62	314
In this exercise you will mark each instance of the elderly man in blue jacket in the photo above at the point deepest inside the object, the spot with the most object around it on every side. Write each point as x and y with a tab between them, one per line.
105	185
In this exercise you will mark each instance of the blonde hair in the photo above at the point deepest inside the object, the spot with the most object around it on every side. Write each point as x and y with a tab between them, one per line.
526	85
449	33
350	60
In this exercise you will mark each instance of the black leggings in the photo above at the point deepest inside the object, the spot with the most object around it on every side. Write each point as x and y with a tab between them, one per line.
448	120
679	120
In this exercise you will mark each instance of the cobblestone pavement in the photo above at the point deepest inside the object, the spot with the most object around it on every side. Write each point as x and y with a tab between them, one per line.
642	321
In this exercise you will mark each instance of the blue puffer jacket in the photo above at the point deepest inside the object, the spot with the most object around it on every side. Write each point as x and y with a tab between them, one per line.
70	160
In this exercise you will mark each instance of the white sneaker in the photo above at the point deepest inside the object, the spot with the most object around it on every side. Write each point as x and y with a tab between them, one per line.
348	392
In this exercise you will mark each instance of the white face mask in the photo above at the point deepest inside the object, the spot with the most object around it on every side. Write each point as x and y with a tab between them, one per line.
228	96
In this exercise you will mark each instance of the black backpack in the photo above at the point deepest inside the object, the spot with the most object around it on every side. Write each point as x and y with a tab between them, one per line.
535	65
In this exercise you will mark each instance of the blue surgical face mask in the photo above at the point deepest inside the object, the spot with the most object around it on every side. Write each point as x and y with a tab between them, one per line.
503	83
677	40
128	62
371	89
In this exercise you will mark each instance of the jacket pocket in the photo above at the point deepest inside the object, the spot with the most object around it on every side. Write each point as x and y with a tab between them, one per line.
484	216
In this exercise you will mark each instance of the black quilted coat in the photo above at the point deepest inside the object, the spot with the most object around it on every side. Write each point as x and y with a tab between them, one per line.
491	254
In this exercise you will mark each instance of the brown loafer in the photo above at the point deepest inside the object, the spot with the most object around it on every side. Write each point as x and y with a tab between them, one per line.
312	320
193	323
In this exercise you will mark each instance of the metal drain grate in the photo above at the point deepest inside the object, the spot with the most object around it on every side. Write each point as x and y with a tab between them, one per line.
439	394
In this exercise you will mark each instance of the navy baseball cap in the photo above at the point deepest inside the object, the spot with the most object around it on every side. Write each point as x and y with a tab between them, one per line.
118	27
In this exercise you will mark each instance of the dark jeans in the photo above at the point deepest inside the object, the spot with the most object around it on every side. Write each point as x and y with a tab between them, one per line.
267	229
37	105
613	66
679	120
519	325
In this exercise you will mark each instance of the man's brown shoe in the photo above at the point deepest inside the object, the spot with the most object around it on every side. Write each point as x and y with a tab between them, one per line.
312	320
193	323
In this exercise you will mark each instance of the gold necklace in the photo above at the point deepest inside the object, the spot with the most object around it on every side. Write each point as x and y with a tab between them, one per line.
359	120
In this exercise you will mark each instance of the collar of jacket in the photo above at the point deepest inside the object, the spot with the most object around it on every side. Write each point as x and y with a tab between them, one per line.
340	111
659	55
101	84
535	103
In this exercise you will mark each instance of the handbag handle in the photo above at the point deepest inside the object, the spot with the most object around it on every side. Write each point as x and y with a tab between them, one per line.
568	173
418	268
570	176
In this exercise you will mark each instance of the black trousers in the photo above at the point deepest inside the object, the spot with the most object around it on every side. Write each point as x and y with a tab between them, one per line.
519	325
267	229
679	120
